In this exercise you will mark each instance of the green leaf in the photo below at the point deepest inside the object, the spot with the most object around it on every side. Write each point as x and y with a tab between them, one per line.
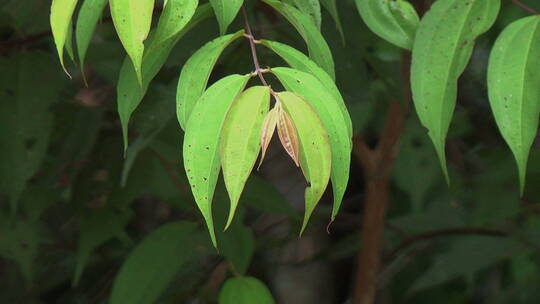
416	158
203	131
441	51
195	74
132	20
395	21
245	290
20	243
299	61
323	102
331	7
237	244
312	8
69	42
97	228
129	92
315	152
61	13
262	196
317	46
226	11
151	266
239	143
89	15
466	258
26	118
176	15
513	82
150	120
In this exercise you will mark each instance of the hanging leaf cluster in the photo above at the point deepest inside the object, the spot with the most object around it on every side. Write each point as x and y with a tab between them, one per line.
228	126
442	43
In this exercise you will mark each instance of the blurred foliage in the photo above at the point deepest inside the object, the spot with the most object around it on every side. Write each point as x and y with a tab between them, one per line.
80	224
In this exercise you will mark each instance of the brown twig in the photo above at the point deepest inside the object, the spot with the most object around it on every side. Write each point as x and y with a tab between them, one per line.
252	43
525	7
440	233
377	164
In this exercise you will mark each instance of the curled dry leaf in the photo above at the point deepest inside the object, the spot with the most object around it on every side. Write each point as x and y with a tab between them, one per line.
268	129
288	135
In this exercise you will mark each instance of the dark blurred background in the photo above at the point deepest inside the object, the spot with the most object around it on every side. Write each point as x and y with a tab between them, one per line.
83	208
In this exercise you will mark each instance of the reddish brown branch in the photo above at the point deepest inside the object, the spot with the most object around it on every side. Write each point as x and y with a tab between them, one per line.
253	48
525	7
440	233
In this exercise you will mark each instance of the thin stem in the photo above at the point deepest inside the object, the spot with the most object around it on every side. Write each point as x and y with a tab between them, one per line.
525	7
439	233
252	43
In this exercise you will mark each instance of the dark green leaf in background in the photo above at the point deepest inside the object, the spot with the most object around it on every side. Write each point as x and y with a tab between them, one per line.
245	290
151	266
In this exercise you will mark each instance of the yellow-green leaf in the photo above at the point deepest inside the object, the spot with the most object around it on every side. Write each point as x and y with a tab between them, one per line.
324	103
201	142
315	152
514	87
89	14
132	20
395	21
442	48
226	11
299	61
176	15
195	74
61	14
129	92
239	145
317	46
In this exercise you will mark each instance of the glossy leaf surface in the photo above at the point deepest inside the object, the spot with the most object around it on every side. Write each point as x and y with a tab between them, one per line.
89	15
226	11
129	92
395	21
61	14
201	142
132	20
441	51
195	74
239	143
513	83
317	46
327	108
301	62
315	152
176	15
